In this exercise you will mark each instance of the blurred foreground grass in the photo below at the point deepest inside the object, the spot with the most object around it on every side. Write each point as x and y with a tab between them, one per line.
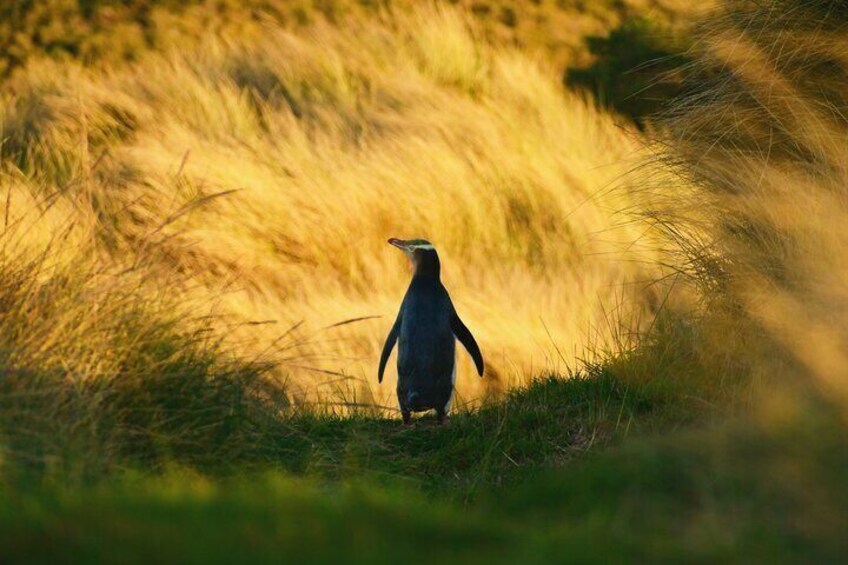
637	458
722	493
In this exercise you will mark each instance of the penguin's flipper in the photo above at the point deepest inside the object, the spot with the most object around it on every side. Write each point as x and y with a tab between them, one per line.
387	348
464	336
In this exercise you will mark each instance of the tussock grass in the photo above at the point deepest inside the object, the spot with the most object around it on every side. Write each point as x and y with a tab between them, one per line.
273	170
761	148
100	32
193	270
100	371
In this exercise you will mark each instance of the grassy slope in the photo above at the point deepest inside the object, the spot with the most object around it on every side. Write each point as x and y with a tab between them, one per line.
492	491
193	469
270	169
545	474
111	31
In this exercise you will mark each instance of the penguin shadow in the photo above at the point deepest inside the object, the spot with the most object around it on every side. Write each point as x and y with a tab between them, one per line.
427	421
431	419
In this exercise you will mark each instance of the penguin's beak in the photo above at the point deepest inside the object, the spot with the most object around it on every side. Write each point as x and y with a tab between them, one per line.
399	243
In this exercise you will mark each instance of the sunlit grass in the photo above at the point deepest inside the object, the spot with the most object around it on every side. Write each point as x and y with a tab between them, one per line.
194	286
273	171
756	221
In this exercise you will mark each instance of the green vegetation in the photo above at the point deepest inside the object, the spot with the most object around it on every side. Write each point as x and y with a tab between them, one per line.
202	468
162	199
715	494
192	412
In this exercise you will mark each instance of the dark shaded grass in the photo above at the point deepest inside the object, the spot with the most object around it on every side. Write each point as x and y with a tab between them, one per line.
638	68
177	400
216	422
734	493
189	403
185	454
551	421
98	372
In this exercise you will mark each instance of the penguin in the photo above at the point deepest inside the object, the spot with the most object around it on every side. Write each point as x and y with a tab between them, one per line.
426	329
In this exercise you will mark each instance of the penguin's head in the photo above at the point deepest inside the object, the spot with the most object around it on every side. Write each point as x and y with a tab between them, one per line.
421	252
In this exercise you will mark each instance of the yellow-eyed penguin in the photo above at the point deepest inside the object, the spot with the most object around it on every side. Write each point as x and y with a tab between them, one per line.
425	329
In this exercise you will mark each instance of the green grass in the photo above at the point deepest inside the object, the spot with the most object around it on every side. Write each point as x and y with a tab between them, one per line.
732	493
598	467
212	424
181	455
175	400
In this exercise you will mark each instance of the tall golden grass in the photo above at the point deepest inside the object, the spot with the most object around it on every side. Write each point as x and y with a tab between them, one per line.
106	31
262	174
761	219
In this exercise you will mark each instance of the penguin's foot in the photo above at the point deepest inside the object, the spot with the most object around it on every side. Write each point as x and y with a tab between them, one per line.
407	418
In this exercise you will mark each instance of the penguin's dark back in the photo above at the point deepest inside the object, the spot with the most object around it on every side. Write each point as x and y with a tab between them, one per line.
426	344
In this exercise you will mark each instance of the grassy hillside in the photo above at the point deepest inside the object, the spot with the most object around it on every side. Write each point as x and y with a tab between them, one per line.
511	482
114	31
626	54
270	172
763	167
194	286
